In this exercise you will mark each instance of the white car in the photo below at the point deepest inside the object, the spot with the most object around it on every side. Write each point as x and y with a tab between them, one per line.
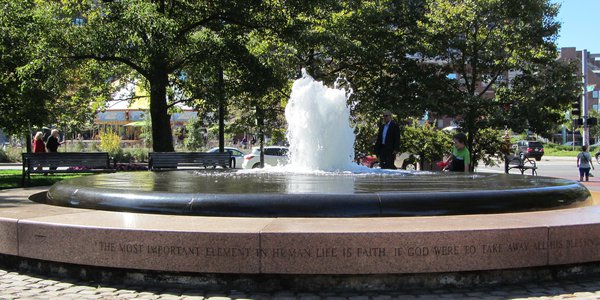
274	156
235	153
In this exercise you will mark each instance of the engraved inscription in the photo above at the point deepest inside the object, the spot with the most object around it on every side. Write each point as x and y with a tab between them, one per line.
171	250
327	252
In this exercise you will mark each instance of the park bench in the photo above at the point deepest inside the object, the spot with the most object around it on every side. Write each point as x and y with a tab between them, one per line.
520	163
174	160
76	162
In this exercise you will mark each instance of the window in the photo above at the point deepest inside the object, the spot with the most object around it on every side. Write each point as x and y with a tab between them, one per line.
270	151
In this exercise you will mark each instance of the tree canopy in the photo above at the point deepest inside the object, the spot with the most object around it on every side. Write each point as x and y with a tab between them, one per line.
169	44
482	41
61	60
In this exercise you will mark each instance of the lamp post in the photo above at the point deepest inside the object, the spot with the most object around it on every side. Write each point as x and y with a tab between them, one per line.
221	95
584	102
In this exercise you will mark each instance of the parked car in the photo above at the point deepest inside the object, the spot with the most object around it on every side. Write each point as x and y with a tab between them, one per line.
529	149
274	156
235	153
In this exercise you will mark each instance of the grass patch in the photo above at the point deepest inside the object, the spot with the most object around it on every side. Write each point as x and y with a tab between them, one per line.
560	152
12	179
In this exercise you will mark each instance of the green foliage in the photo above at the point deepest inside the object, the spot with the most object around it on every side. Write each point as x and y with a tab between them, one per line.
111	142
23	95
146	134
425	140
36	88
137	154
178	48
488	147
278	136
194	140
122	156
560	150
595	130
366	134
58	56
483	39
537	98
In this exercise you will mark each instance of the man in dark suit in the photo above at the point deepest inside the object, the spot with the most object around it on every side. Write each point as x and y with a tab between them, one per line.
388	142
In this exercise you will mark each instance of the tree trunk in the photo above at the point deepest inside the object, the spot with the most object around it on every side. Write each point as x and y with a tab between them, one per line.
28	141
162	137
221	100
260	122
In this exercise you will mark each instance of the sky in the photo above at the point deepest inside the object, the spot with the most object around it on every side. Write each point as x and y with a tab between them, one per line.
580	23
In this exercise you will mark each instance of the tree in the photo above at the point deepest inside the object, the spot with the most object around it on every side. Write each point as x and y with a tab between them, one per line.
165	42
23	98
537	98
481	40
194	134
34	90
370	44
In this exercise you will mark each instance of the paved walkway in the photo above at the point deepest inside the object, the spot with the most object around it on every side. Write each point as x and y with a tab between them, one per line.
17	285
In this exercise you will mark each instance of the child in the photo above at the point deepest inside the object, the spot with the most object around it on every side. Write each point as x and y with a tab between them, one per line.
460	160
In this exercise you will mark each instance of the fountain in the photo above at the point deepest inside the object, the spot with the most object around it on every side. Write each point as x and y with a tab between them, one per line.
321	214
321	180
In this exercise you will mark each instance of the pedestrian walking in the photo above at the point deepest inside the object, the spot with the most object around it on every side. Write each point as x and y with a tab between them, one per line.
53	143
584	163
38	143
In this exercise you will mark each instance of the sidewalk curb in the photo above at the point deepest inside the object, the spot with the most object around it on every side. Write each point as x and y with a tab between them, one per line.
559	158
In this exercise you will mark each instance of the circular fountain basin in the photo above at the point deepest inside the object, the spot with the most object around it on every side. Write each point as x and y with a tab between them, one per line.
277	194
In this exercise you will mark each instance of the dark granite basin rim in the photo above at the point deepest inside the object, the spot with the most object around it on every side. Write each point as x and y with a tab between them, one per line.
286	196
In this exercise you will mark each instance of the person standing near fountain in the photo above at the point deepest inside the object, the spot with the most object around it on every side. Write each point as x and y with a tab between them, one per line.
388	142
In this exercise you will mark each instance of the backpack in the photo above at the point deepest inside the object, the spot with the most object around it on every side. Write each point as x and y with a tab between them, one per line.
584	159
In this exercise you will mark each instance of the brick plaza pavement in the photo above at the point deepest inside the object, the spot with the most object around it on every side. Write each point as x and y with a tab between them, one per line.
20	285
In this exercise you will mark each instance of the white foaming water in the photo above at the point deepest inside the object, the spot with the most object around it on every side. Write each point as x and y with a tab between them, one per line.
319	130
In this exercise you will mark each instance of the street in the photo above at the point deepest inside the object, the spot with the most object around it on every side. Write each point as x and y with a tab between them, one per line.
551	166
554	166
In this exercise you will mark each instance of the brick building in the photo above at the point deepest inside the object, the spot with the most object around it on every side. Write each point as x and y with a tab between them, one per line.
571	54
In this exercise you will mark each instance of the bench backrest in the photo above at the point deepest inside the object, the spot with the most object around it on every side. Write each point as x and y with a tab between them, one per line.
67	159
158	160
